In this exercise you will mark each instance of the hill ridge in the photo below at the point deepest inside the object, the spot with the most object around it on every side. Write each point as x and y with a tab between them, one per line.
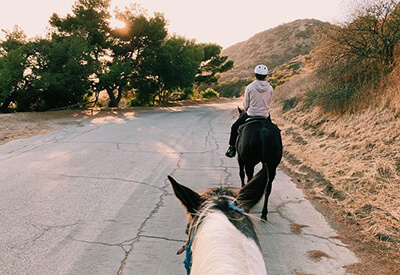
282	44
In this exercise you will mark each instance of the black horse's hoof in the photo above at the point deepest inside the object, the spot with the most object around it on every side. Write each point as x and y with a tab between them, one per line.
264	218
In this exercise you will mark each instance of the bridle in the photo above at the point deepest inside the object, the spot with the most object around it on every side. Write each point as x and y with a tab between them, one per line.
187	262
187	247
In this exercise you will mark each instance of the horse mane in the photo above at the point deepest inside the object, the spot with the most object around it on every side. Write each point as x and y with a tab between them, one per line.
224	233
224	200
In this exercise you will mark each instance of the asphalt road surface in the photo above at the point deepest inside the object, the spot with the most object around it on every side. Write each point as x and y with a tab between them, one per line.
95	199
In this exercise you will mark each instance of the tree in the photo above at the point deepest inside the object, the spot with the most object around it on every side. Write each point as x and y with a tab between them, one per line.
42	74
60	70
178	62
352	60
212	65
133	49
361	51
114	79
89	20
13	60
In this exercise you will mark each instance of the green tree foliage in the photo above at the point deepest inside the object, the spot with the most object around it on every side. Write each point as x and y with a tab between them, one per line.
13	61
213	64
85	55
45	74
359	54
133	52
60	71
178	61
89	20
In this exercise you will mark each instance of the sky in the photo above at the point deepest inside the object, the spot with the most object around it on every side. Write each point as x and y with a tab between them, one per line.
225	22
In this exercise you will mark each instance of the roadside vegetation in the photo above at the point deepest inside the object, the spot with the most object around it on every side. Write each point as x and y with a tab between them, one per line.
83	55
340	120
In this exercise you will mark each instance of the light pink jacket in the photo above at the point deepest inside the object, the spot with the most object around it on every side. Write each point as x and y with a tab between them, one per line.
257	98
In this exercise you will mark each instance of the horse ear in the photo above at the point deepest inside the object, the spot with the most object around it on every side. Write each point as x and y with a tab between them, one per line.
253	191
189	198
239	110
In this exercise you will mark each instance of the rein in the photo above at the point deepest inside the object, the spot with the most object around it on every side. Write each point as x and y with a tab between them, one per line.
187	262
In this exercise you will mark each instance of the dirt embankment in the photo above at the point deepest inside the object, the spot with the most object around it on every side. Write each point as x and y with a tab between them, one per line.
349	165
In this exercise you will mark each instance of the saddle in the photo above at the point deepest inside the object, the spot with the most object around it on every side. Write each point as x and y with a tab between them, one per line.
258	118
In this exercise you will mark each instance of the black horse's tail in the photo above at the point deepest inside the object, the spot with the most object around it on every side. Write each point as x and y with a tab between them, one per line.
266	145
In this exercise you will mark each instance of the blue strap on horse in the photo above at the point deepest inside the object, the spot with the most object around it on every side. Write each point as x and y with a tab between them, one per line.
187	262
237	208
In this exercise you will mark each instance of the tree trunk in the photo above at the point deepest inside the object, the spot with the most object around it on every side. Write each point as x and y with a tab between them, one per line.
119	95
113	102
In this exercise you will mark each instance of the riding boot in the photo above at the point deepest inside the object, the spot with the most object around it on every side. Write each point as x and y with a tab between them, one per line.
231	152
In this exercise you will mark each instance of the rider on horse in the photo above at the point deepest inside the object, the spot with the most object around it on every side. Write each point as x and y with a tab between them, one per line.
256	102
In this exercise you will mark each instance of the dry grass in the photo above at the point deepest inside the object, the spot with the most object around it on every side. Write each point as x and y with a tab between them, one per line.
351	162
317	255
357	154
391	97
296	228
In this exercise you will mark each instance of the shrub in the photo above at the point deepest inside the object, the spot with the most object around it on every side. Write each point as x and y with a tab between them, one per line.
310	98
337	99
210	93
289	103
233	88
357	55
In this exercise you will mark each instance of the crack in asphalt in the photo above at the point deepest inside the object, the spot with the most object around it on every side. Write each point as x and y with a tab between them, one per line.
48	228
162	238
114	179
141	227
129	242
54	139
121	244
83	132
210	136
28	150
299	201
152	213
210	141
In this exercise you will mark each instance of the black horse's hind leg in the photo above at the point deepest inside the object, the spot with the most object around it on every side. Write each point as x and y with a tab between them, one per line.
267	193
249	172
241	171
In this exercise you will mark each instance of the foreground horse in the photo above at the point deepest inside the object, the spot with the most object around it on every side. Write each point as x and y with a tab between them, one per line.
222	237
259	140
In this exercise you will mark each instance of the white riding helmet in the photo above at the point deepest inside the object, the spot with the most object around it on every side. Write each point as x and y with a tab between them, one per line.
261	70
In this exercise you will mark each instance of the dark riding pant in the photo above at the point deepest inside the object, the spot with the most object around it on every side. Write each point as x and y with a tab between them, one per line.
235	127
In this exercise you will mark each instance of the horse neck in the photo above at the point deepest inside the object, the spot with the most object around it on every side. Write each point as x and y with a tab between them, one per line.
220	248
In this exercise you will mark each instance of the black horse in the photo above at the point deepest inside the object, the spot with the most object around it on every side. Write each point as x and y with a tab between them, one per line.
259	140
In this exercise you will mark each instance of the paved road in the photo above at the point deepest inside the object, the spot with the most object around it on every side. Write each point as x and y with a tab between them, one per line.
95	199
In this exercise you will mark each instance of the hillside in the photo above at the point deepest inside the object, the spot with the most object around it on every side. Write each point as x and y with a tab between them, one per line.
349	164
272	47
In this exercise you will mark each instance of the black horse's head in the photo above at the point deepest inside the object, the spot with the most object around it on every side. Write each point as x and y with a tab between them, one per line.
241	112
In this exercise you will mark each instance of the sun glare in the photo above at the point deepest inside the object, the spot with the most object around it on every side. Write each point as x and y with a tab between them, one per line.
116	24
